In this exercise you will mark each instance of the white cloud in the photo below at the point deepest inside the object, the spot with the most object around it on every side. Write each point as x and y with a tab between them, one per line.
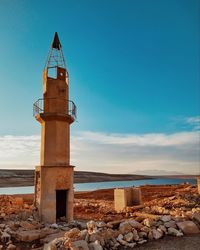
116	153
194	122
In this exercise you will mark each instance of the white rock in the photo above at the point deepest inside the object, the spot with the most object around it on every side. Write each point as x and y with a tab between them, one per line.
83	234
101	224
135	235
157	234
128	237
142	242
92	227
54	225
131	245
148	222
142	234
120	240
174	232
145	229
170	223
163	228
135	224
165	218
2	226
95	246
125	227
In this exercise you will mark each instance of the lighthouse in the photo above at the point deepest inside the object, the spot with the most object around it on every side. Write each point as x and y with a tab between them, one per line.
55	112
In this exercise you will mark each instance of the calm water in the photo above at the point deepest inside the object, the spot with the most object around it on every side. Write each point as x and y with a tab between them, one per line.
101	185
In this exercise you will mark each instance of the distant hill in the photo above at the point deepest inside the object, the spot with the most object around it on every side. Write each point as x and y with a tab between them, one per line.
17	178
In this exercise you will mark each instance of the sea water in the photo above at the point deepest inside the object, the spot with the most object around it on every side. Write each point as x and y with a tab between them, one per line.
103	185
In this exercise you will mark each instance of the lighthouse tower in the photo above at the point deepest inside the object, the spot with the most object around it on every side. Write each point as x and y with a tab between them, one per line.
55	112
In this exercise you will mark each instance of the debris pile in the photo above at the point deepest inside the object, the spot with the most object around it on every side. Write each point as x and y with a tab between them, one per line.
171	213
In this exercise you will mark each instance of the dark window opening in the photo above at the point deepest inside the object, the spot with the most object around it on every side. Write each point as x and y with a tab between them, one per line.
61	204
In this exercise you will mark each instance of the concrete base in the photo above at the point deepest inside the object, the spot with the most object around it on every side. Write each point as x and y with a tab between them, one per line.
48	180
126	197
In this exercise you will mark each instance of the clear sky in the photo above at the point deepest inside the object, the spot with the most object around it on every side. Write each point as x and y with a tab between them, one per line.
134	75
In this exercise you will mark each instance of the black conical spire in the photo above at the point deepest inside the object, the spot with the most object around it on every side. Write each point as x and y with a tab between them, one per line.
56	42
55	56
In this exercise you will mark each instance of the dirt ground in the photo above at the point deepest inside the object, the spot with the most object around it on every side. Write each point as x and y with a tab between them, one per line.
172	243
99	205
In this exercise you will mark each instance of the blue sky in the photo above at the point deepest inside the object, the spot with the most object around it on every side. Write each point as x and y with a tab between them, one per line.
133	65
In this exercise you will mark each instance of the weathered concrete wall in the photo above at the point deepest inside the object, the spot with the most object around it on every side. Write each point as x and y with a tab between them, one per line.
52	179
126	197
54	172
120	199
55	146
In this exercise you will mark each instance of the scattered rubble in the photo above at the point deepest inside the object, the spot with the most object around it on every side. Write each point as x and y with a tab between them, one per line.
176	215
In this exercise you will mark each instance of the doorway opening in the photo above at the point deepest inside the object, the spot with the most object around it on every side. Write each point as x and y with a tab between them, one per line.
61	204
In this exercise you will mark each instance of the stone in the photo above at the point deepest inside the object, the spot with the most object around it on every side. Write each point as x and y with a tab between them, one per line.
11	247
5	237
174	232
128	237
188	227
142	234
91	226
196	217
131	245
28	236
67	243
101	224
96	236
165	218
54	225
170	223
149	222
27	225
135	224
157	234
125	227
95	246
79	245
82	225
135	235
3	215
83	234
142	242
73	233
163	228
145	229
46	231
120	240
51	237
50	246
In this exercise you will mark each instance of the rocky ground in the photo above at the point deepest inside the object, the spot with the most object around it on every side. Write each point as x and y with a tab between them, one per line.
168	219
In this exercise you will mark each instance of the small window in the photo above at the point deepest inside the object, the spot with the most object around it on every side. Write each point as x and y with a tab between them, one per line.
52	73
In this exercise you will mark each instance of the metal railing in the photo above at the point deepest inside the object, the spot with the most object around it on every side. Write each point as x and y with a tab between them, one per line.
38	107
